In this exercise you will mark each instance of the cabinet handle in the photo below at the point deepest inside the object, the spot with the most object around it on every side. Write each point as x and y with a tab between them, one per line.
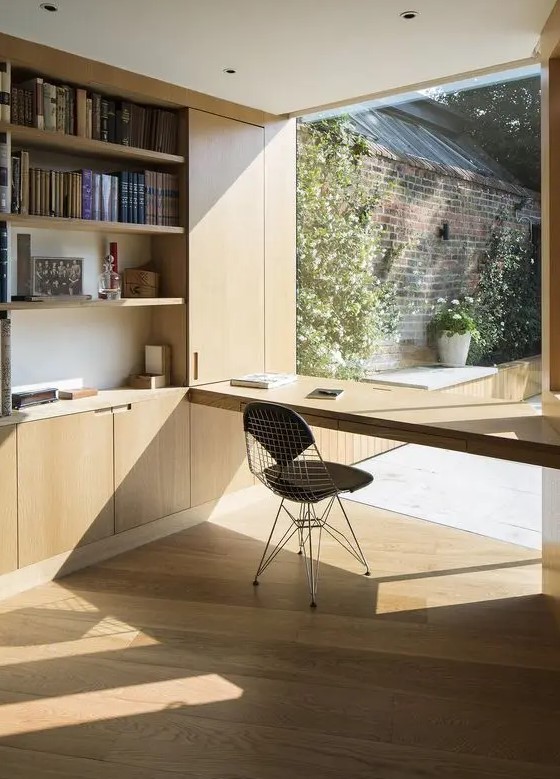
103	412
122	409
195	371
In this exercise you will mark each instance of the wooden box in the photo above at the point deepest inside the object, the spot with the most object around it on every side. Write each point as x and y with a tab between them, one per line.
147	381
139	283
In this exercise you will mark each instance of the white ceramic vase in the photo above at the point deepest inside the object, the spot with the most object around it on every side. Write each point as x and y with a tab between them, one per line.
453	348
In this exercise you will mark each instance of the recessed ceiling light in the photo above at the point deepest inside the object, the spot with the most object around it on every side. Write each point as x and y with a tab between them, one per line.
50	7
409	15
230	71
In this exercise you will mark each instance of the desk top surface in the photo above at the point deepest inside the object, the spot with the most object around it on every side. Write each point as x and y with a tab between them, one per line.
500	428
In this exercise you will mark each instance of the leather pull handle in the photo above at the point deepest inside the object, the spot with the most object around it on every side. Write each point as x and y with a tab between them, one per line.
195	367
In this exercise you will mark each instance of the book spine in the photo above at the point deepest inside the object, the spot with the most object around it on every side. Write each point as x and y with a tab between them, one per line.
60	109
24	163
96	196
125	124
89	117
123	196
5	177
81	113
114	198
5	91
71	119
28	108
39	105
96	116
141	198
3	262
16	184
86	194
49	107
104	121
159	220
14	106
20	106
105	197
134	198
111	122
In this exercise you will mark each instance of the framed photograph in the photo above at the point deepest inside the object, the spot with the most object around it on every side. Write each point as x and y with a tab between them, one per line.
51	276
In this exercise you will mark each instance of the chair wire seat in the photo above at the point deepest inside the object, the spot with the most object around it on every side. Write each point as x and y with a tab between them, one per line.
283	455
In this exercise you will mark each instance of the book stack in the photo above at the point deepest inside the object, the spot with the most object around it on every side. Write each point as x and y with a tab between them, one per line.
75	111
147	197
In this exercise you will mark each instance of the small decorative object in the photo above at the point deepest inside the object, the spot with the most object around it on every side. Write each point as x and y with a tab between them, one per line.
454	326
109	284
47	276
76	394
157	369
140	283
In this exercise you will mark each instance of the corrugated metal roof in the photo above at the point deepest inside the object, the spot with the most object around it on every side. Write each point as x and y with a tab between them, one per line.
424	145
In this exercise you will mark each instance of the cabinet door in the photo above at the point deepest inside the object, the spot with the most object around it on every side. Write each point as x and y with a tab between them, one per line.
218	453
8	499
65	484
152	474
226	248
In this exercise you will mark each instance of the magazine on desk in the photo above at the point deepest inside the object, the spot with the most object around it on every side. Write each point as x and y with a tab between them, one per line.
263	380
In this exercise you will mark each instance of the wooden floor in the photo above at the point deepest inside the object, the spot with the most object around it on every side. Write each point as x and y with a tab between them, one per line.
165	661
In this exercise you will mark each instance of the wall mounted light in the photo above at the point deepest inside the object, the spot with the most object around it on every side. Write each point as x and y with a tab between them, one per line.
444	231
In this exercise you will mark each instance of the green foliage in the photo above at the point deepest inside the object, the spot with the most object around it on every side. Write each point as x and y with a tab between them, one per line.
454	316
505	123
507	300
343	309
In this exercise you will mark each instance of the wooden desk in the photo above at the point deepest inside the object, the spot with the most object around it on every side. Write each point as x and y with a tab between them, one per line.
494	428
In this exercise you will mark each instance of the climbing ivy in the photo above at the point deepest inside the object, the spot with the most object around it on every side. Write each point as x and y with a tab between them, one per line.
343	309
507	299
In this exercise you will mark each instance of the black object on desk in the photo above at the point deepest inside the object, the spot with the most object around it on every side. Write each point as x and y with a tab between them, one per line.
325	393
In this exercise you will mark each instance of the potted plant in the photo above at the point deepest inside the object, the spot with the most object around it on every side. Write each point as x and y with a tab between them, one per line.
453	325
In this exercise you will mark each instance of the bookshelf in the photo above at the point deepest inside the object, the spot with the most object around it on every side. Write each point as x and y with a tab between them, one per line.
48	305
32	138
87	225
161	247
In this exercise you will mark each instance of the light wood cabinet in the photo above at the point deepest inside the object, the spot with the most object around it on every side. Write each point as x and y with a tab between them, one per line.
65	484
226	248
8	499
218	454
152	471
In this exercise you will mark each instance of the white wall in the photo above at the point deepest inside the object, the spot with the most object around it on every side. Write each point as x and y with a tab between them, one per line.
96	348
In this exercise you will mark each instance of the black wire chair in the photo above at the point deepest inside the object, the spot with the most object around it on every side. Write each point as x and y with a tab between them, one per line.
283	455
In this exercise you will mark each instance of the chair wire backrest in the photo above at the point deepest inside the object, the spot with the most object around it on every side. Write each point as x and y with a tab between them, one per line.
283	455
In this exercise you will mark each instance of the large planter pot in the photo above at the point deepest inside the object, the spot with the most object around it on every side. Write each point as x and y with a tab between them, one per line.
453	348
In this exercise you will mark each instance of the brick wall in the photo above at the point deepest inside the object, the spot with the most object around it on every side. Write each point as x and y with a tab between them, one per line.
415	204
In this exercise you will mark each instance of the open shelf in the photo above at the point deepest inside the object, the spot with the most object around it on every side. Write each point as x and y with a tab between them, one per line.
24	305
87	225
74	144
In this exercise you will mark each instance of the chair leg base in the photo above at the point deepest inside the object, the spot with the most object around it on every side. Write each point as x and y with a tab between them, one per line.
256	583
313	605
367	573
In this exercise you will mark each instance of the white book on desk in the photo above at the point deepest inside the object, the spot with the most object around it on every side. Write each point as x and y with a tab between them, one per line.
263	380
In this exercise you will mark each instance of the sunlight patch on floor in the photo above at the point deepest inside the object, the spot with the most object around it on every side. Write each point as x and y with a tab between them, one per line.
32	716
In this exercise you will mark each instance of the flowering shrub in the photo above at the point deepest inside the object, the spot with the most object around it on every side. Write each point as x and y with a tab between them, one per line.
343	309
454	316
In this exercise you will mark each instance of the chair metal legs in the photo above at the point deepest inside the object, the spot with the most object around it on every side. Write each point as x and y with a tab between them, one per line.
304	524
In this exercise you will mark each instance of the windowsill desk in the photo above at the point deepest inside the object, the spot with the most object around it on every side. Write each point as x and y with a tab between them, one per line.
508	430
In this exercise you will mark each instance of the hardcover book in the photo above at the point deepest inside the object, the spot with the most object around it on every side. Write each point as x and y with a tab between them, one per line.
5	177
5	91
3	262
87	177
263	380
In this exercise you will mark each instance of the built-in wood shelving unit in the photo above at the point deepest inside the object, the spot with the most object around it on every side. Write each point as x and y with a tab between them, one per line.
30	137
43	305
88	225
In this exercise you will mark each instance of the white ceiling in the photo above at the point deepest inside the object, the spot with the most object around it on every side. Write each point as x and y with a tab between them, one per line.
290	55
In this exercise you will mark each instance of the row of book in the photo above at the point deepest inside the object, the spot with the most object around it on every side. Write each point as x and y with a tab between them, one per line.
127	196
75	111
